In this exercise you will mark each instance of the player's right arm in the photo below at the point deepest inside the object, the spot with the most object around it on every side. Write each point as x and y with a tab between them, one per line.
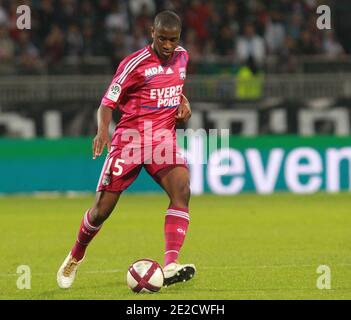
124	78
102	138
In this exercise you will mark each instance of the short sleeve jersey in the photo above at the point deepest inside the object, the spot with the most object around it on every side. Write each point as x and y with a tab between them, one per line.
147	90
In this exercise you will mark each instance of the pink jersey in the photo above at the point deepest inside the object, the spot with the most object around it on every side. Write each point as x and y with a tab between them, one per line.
147	91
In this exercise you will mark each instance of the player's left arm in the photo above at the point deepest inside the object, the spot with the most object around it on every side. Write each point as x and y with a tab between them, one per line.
184	110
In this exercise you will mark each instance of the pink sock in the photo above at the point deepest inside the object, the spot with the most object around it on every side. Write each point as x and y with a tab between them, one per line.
86	233
176	226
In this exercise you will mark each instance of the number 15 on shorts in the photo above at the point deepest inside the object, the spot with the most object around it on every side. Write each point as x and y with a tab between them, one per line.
117	168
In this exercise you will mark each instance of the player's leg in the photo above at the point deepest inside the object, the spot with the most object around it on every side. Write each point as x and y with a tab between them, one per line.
90	225
115	177
92	221
176	182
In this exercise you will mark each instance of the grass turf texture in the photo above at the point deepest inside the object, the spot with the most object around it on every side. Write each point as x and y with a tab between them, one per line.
245	247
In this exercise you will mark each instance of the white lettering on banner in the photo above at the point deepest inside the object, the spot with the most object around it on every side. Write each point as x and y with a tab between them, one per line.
231	171
265	181
195	156
294	169
303	170
333	163
217	169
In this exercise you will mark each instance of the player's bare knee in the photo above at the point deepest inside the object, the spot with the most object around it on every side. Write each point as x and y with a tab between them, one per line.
185	190
182	196
99	214
103	207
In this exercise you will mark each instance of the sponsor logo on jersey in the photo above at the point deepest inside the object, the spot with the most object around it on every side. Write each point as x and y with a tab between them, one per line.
153	71
167	96
169	71
182	73
114	92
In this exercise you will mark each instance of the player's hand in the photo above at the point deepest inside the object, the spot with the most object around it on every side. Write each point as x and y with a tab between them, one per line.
101	139
184	111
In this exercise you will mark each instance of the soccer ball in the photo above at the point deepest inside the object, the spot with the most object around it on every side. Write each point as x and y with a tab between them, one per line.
145	275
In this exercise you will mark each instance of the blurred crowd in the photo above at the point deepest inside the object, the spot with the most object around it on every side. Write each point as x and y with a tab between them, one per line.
233	31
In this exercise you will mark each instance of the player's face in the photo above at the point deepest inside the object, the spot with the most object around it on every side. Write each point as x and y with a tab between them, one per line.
165	41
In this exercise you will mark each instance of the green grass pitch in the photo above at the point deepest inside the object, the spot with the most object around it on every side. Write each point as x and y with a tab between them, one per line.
244	247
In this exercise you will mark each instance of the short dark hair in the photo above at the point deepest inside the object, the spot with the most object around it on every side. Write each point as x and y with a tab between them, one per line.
167	19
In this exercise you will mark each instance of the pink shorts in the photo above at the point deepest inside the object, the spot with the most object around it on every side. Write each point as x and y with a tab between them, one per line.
120	169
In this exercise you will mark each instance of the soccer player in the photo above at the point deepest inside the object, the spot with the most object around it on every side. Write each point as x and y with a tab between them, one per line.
147	88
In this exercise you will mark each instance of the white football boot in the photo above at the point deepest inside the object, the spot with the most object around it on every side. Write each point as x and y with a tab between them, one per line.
175	272
67	271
